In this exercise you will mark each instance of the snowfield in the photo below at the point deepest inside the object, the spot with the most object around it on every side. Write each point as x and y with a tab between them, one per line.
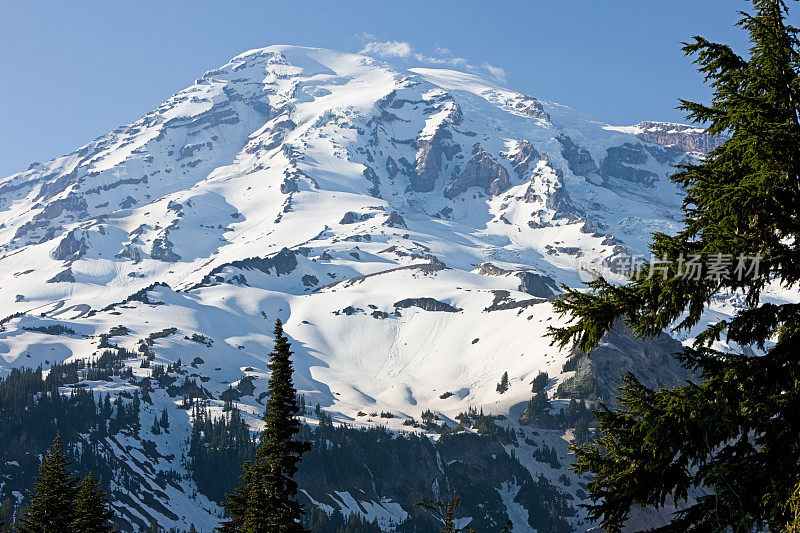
408	226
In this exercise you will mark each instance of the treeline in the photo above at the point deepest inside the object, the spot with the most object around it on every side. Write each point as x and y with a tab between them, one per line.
37	406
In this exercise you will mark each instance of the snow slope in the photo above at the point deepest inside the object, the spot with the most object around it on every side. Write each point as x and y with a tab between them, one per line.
408	226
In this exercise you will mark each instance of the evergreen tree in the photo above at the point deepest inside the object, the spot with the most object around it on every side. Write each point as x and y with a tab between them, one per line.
91	514
539	383
581	431
503	385
51	507
793	526
446	513
164	422
265	500
732	438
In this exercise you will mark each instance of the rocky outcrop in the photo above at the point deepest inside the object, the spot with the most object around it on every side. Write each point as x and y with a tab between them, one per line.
128	202
523	157
129	252
578	159
687	138
481	171
618	161
651	360
162	250
65	276
394	220
537	284
427	304
282	263
530	106
70	248
504	302
530	282
547	186
351	217
430	154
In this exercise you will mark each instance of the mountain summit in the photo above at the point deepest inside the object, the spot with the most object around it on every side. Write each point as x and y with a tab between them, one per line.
407	226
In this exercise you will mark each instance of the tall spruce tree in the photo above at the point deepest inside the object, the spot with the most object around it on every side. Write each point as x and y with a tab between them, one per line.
51	507
91	514
266	499
734	436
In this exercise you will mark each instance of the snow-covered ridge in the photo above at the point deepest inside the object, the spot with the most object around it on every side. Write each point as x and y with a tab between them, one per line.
682	136
354	169
408	226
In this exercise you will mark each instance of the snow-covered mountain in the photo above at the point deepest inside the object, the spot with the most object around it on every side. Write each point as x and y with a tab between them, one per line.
408	226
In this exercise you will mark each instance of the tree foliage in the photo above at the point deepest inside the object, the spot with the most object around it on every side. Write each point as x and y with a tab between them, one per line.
59	503
51	507
732	437
265	500
91	512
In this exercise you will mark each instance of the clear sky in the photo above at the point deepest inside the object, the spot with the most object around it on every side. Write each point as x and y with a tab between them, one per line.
71	71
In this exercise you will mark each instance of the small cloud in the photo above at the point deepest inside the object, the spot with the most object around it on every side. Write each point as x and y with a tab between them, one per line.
387	48
441	56
498	73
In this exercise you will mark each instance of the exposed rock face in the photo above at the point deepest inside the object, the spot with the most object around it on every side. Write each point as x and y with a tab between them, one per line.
282	263
488	269
503	302
429	159
352	217
547	189
162	250
523	157
70	248
652	361
427	304
687	138
531	107
530	282
666	154
128	202
65	276
481	171
290	185
537	284
433	145
579	159
130	252
618	160
72	203
394	220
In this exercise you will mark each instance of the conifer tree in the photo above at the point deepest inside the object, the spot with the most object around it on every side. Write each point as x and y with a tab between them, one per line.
732	437
503	385
265	500
91	514
51	507
446	513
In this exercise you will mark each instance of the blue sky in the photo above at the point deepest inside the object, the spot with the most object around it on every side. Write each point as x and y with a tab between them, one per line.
71	71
